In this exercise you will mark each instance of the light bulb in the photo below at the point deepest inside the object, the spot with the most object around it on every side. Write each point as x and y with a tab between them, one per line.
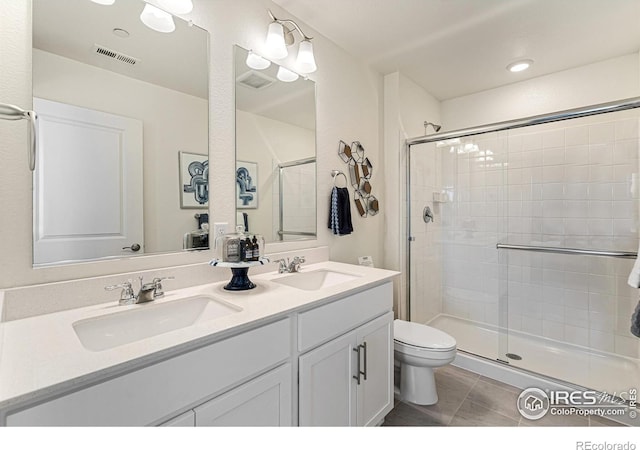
274	43
305	62
519	66
256	61
177	6
104	2
157	20
286	75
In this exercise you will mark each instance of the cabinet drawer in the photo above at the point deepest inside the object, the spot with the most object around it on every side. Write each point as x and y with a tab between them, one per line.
331	320
150	394
262	402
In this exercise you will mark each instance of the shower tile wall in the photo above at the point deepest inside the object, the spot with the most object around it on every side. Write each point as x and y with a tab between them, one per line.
566	184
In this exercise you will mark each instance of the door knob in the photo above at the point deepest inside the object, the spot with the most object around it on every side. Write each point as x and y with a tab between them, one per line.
135	247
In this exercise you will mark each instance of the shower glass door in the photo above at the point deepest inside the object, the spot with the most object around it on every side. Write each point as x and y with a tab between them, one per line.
572	185
456	192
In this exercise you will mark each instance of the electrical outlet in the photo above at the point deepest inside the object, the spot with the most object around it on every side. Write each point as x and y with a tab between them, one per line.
219	229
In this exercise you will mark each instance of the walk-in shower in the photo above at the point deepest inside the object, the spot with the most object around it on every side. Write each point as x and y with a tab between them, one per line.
534	231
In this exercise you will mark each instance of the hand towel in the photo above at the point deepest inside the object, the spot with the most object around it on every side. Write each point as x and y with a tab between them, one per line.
635	321
634	276
340	212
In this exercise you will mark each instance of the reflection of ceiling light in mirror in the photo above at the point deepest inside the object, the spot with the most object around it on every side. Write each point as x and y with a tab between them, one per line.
286	75
256	61
519	66
275	46
157	19
305	62
177	6
104	2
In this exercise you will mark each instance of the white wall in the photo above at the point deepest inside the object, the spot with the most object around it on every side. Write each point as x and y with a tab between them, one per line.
172	122
268	142
349	104
406	107
601	82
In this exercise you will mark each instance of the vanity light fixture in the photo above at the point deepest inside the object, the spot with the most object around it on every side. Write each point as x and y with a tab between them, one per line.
157	19
177	6
104	2
256	61
286	75
279	36
519	66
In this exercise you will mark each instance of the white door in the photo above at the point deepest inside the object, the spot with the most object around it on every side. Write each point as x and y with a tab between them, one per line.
327	388
264	401
375	392
87	184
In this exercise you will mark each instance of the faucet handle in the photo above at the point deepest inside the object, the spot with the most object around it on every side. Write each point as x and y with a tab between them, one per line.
157	284
127	293
283	265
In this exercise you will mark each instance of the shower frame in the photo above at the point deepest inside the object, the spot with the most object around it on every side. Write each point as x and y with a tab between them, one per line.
281	167
603	108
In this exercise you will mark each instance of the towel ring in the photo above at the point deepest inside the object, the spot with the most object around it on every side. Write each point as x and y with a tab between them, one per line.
335	173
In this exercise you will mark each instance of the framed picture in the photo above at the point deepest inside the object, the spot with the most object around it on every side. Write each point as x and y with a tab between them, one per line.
194	180
246	185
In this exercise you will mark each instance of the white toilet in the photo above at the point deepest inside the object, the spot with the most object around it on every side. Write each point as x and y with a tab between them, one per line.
419	349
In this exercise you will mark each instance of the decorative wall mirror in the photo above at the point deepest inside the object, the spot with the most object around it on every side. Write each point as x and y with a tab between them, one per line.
123	130
275	150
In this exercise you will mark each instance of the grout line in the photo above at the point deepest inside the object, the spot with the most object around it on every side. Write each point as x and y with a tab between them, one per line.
463	400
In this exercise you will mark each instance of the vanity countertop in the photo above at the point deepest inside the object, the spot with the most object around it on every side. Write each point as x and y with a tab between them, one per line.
42	356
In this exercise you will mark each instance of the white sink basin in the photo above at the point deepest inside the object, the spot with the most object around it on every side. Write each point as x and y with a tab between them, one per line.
317	279
146	320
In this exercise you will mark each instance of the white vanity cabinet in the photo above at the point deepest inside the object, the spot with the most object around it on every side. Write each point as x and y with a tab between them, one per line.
152	394
335	360
347	381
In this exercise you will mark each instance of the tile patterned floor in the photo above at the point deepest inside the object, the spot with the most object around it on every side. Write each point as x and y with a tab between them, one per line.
471	400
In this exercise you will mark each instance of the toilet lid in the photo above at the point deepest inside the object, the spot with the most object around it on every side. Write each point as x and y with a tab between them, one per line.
420	335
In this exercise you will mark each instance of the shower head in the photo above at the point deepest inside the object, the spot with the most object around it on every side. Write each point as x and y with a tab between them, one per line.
435	127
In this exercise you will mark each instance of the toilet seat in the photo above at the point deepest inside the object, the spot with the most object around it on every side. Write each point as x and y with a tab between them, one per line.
416	337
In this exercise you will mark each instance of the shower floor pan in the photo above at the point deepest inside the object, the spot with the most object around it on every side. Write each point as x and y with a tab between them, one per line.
573	364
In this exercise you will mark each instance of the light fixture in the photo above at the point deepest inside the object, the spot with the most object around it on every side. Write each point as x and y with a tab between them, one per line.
157	19
286	75
256	61
519	66
275	45
305	62
104	2
176	6
279	36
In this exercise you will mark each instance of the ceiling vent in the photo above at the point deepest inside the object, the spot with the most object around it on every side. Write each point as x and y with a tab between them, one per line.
104	51
255	80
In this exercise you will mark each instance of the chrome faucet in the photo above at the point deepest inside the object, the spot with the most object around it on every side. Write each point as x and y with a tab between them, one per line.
147	293
293	266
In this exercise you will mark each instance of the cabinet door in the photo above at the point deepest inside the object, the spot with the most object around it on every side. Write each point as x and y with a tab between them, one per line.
327	388
264	401
375	393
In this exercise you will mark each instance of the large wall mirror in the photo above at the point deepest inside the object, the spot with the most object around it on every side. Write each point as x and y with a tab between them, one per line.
123	132
275	150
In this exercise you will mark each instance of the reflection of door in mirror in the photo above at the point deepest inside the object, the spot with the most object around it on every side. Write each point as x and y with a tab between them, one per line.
79	50
88	184
275	130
